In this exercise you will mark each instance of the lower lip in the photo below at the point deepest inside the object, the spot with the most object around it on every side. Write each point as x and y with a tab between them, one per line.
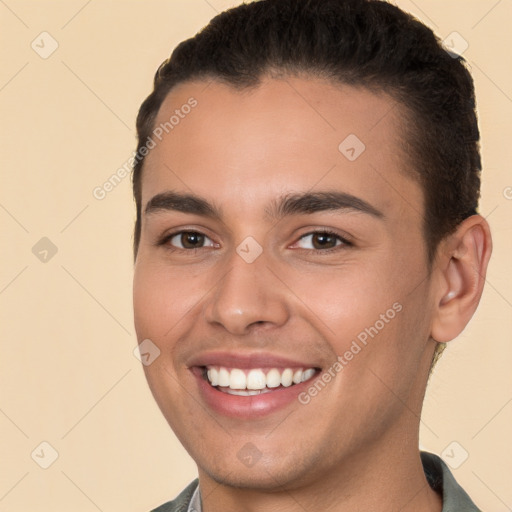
246	407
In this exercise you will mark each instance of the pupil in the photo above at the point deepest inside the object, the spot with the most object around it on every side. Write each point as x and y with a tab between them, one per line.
191	240
323	240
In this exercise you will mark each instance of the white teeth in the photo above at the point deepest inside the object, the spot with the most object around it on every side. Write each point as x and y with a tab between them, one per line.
287	377
308	374
223	377
213	376
245	392
237	379
273	378
255	381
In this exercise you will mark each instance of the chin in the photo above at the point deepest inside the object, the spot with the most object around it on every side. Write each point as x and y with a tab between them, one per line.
258	480
268	475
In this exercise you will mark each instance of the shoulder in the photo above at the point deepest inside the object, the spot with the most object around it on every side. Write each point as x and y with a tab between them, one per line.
181	502
441	479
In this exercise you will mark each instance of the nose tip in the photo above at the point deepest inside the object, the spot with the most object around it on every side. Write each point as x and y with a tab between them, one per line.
239	322
247	297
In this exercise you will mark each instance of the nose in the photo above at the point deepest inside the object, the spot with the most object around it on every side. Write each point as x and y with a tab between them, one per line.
247	295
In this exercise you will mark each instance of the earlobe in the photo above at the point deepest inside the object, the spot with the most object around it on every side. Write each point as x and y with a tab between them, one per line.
462	269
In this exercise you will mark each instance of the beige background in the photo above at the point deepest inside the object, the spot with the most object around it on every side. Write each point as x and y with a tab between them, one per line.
68	375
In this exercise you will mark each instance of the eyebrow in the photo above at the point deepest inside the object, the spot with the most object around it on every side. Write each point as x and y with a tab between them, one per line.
312	202
186	203
287	205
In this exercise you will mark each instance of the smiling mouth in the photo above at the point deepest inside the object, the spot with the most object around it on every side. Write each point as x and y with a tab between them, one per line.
255	381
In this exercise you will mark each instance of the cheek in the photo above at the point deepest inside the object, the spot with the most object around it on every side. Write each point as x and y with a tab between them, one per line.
342	302
158	306
368	315
159	300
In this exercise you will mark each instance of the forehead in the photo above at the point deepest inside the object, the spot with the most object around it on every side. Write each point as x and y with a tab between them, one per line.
285	135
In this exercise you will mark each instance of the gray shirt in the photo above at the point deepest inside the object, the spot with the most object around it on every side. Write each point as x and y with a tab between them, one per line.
437	473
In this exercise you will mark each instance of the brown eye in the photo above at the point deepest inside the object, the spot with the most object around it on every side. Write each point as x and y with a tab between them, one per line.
321	240
189	240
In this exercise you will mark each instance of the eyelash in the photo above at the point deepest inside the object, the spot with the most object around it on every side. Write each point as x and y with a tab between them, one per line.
344	242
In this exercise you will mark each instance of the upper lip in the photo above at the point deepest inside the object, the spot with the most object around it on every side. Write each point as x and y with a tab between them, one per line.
248	360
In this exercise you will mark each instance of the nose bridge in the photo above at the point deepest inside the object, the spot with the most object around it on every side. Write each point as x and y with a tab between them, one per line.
248	293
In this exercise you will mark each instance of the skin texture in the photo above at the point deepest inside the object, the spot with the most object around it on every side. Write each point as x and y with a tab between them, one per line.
354	446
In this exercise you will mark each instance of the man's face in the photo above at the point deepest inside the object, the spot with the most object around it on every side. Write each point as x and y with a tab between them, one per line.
247	291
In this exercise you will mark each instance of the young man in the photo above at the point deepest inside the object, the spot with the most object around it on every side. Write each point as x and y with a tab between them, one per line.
306	183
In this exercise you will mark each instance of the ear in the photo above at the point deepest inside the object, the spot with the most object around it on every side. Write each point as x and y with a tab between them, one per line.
461	265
